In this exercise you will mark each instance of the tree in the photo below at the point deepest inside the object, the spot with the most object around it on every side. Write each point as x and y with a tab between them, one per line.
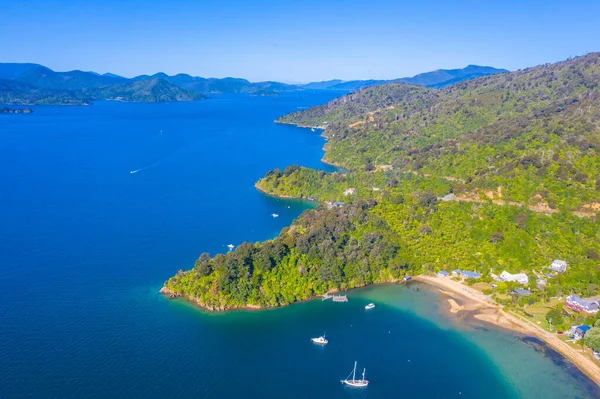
554	317
521	220
203	264
593	254
592	338
496	237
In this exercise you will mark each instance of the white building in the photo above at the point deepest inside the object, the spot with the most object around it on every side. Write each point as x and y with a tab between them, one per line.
559	266
520	278
349	191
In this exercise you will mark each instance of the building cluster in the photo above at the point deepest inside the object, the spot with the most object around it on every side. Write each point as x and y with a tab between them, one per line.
505	276
578	304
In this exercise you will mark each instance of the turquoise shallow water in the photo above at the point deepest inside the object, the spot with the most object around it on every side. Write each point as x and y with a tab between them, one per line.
85	246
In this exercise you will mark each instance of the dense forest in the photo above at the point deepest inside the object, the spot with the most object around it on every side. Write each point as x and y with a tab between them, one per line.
324	250
531	133
498	173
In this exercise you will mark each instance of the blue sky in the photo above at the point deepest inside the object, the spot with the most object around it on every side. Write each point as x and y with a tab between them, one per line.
294	41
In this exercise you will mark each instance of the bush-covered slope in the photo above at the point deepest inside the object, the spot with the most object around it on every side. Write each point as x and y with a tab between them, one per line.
489	175
534	133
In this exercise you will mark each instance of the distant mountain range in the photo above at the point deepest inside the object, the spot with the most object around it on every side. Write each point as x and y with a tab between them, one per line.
37	84
439	78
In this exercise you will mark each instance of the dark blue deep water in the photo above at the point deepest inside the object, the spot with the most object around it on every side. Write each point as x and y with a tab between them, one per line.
85	246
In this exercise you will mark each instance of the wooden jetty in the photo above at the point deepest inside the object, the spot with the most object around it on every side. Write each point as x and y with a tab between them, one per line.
325	297
340	298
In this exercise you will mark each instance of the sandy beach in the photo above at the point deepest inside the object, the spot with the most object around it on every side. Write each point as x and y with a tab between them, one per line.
466	298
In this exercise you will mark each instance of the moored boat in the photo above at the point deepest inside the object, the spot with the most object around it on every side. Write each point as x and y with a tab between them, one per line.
320	341
370	306
354	382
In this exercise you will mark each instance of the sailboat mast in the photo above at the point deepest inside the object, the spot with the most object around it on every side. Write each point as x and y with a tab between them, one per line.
354	372
364	371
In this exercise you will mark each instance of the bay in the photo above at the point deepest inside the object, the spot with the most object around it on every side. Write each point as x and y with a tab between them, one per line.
86	244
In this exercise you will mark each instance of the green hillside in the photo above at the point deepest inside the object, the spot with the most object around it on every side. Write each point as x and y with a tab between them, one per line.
498	173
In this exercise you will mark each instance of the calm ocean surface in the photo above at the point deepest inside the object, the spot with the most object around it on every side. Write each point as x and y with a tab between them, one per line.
85	246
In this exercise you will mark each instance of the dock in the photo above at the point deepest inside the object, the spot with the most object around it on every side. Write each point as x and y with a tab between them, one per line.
340	298
325	297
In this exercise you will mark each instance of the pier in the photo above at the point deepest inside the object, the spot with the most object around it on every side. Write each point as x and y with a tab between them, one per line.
340	298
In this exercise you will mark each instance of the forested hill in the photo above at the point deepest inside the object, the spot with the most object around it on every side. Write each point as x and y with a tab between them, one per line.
155	90
499	173
529	137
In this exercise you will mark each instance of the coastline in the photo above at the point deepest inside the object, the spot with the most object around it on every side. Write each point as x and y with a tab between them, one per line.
489	312
462	300
273	194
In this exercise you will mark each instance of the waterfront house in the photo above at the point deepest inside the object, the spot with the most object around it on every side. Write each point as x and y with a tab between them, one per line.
442	273
520	278
579	332
468	274
578	304
521	292
312	198
559	266
456	273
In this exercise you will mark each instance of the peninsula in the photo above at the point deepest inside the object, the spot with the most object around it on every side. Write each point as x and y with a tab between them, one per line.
497	176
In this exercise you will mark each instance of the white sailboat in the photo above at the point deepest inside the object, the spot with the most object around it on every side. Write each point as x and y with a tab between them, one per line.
354	382
275	215
370	306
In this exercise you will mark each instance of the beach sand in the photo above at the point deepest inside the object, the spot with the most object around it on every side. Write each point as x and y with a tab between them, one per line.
484	309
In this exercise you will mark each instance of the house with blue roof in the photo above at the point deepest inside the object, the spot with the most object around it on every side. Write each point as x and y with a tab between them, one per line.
442	273
579	332
468	274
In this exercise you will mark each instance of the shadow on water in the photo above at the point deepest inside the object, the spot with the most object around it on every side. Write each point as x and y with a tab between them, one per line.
562	362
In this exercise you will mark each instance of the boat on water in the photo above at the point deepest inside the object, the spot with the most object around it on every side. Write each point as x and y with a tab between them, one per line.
231	246
275	215
370	306
321	340
354	382
312	129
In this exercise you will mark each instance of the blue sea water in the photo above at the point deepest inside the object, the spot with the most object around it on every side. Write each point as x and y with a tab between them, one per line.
85	246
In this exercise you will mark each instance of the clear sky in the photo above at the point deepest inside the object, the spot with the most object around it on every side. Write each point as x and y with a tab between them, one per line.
294	41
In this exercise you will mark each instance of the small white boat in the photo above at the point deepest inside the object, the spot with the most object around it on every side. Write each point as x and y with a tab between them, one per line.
312	129
354	382
231	246
275	215
321	340
370	306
